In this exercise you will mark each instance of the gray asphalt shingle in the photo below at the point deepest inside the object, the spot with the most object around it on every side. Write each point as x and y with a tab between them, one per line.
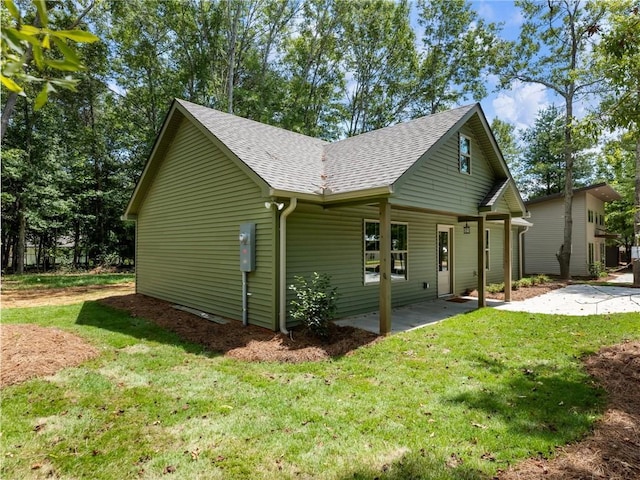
297	163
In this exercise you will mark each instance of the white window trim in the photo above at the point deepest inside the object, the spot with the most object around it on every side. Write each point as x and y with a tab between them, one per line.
487	249
460	154
364	254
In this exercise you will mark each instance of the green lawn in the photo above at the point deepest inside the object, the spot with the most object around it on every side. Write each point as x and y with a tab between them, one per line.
456	400
45	280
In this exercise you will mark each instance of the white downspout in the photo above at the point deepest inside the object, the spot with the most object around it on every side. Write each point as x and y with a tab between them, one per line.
283	264
520	252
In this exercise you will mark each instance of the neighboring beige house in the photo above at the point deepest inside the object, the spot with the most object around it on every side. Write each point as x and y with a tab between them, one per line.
542	240
229	210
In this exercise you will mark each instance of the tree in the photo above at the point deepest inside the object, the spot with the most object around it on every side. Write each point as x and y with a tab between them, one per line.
543	171
616	166
313	70
459	48
564	28
38	49
380	56
620	62
505	134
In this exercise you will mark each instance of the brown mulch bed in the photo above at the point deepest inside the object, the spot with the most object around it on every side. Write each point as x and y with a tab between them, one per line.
29	351
249	343
612	451
527	292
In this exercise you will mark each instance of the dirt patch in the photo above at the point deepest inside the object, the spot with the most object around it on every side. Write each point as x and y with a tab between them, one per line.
62	296
29	351
249	343
612	451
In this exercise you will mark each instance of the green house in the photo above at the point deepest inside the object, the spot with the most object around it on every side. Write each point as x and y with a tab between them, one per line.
400	215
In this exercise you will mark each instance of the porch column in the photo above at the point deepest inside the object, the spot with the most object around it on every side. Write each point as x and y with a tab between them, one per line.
507	259
385	267
482	272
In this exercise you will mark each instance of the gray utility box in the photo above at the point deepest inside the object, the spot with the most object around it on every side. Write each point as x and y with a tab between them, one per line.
247	240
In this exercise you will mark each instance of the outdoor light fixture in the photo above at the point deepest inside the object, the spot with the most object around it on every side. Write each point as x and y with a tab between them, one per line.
268	205
466	229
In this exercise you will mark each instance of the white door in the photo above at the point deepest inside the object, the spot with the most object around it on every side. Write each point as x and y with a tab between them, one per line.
445	256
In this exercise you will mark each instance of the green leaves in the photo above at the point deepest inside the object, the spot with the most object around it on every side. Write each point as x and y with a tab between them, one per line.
25	45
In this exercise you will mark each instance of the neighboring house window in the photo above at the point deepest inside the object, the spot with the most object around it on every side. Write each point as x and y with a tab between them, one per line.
399	251
591	254
603	253
601	220
487	250
590	216
464	154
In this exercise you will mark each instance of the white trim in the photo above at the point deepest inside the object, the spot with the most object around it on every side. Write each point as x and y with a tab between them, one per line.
462	136
395	278
444	227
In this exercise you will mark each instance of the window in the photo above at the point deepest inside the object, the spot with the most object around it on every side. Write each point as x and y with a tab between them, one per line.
372	251
590	216
603	253
464	157
591	254
487	261
601	219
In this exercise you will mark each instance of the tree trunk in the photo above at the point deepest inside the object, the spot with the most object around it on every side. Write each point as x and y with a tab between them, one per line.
564	255
636	216
22	227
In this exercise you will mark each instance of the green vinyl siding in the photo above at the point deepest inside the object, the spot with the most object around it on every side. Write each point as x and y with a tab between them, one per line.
437	183
187	232
331	241
466	266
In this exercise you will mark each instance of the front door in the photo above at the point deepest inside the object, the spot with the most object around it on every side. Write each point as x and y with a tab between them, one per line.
445	256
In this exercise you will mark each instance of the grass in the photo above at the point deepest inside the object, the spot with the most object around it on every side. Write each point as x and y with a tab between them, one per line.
456	400
29	281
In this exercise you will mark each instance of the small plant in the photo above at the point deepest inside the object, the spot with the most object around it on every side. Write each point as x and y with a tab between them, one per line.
495	287
315	304
597	270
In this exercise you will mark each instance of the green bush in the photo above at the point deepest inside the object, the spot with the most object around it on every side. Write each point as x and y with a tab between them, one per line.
495	287
597	270
315	304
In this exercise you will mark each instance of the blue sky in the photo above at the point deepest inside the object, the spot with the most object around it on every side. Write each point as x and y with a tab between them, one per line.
520	104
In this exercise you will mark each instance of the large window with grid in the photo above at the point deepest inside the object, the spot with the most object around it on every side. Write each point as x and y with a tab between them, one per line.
399	251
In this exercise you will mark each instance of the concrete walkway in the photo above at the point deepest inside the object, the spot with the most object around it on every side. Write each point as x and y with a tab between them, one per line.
580	300
576	299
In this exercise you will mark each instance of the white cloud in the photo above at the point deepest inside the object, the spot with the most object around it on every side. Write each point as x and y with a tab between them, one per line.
521	103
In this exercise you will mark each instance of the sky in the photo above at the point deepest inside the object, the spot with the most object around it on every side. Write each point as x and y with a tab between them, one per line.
520	104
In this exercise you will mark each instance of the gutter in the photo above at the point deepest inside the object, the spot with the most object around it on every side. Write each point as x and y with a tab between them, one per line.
283	264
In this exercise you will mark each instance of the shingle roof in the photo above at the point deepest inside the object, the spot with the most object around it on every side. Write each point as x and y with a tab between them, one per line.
293	162
285	160
380	157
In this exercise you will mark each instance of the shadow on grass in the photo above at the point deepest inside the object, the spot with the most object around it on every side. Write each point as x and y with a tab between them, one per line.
250	343
420	465
555	403
96	315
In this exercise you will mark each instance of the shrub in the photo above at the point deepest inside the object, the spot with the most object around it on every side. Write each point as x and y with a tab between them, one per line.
495	287
597	270
315	304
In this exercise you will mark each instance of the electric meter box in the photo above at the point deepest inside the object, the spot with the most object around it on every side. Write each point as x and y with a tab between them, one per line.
247	240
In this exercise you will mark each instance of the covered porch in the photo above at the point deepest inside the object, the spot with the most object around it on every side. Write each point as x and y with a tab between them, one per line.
416	315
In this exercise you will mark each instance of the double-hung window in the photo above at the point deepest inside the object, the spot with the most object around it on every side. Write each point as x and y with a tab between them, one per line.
399	251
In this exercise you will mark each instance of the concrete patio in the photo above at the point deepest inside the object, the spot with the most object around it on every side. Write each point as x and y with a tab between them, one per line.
577	299
416	315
